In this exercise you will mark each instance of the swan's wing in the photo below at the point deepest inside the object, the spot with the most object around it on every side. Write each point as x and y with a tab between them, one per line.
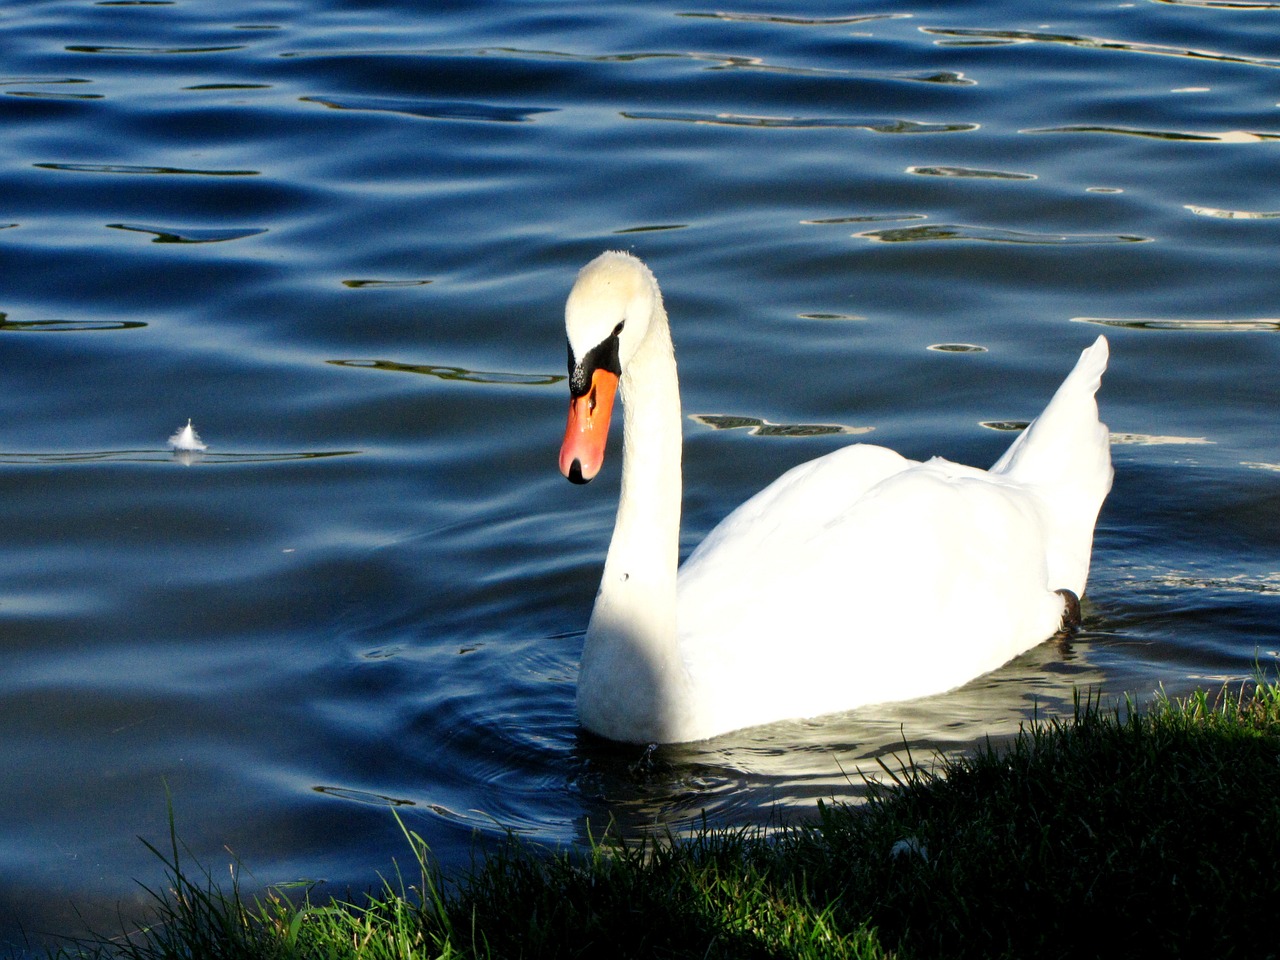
929	576
799	502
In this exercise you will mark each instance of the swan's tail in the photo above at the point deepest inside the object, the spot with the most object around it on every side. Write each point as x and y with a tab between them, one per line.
1065	454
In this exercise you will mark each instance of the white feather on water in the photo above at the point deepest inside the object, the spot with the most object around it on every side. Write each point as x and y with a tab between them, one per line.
187	439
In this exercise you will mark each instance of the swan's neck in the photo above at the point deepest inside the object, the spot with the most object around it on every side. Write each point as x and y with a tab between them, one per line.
633	684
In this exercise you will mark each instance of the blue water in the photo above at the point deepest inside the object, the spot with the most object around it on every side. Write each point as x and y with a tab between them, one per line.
338	237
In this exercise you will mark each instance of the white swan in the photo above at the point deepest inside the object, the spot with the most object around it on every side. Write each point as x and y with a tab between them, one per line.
859	577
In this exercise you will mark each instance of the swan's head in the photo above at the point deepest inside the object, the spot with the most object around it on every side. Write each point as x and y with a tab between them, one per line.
606	317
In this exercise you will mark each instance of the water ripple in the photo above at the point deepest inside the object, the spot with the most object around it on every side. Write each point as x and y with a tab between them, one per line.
1222	4
1234	214
758	427
963	36
1265	325
797	21
799	123
454	373
368	284
145	170
1117	439
434	109
148	51
970	172
948	231
185	457
363	796
1226	136
65	326
190	234
957	348
868	218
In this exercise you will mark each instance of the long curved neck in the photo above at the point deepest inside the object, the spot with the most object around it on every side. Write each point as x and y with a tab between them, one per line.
633	685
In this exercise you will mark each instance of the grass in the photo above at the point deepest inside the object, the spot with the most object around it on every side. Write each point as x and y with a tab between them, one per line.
1113	833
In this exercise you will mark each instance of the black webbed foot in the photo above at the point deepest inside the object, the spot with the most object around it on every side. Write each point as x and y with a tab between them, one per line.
1070	614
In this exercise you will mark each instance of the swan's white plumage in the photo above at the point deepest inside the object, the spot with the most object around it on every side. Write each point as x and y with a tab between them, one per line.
859	577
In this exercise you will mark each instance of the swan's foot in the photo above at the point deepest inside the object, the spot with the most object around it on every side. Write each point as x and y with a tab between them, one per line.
1070	614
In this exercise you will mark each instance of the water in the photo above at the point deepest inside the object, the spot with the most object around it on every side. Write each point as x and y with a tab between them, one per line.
338	237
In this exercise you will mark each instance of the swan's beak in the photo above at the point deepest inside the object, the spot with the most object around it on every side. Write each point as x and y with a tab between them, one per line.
582	452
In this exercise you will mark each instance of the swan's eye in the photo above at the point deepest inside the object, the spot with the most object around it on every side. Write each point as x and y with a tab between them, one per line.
618	329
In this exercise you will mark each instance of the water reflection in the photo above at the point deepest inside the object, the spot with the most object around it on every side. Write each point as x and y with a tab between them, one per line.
1224	4
147	51
185	457
786	767
799	21
460	374
65	326
1262	325
868	218
758	427
798	123
54	95
1192	136
950	231
970	172
434	109
364	284
963	36
1234	214
957	348
190	234
143	169
363	796
1117	438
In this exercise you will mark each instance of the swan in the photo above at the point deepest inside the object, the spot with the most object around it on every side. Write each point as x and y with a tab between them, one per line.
860	577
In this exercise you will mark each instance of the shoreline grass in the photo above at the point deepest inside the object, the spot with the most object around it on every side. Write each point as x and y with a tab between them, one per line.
1111	833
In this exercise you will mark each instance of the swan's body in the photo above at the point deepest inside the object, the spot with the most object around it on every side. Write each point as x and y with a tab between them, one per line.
859	577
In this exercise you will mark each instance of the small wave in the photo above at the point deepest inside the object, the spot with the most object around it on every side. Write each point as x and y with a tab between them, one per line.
148	51
757	427
1234	214
364	796
957	348
185	457
798	21
1264	325
868	218
970	173
947	231
1222	4
364	284
454	373
1156	440
54	95
65	326
1005	426
143	169
654	228
190	235
433	109
1226	136
1117	439
799	123
1267	583
960	36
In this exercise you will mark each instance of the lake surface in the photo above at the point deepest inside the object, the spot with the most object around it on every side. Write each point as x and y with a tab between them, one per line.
338	236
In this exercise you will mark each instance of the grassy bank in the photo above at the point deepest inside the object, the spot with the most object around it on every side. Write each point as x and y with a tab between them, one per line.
1110	834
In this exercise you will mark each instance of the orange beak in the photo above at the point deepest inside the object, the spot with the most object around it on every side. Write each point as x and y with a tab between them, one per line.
582	452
